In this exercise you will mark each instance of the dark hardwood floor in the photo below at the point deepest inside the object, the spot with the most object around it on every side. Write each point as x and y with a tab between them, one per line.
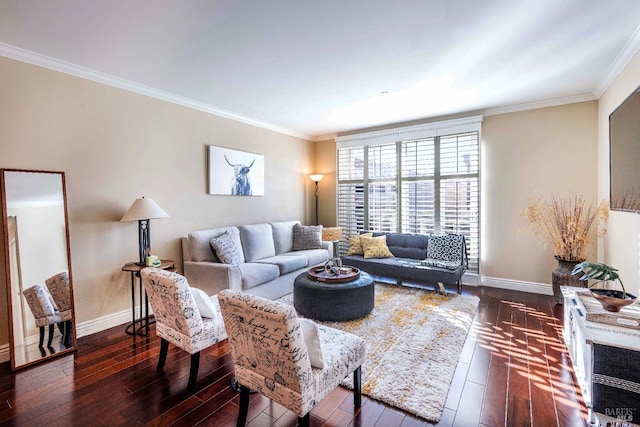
513	371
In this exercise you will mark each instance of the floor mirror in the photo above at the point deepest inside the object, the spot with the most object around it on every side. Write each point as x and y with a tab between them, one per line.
37	266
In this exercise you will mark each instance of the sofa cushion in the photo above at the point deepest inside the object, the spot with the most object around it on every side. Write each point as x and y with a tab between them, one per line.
254	274
314	256
446	247
200	248
355	245
225	249
283	235
449	265
257	241
375	247
307	237
286	263
408	245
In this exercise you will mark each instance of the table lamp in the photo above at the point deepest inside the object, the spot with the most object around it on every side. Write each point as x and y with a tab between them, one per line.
143	210
334	235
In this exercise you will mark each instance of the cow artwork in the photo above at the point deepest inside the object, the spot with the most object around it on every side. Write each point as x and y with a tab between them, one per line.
240	184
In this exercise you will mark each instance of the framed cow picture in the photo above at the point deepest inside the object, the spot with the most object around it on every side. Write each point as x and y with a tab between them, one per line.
235	173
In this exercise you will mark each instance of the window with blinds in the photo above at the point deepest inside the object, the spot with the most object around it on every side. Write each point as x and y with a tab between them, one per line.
423	185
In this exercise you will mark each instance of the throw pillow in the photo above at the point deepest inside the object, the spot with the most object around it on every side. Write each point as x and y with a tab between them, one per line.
225	249
206	307
445	247
355	246
375	247
312	341
307	237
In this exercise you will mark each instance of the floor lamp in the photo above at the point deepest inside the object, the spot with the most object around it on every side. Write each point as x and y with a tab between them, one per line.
143	210
316	179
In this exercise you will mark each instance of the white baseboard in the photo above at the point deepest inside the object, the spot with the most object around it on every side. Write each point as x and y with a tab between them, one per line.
105	322
517	285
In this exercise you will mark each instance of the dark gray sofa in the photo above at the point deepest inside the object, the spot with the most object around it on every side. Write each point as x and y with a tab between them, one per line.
427	259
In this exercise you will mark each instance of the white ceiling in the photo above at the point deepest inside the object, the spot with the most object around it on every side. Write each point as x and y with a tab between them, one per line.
317	68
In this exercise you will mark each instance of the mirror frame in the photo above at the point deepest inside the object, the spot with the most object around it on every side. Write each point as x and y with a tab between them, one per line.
7	264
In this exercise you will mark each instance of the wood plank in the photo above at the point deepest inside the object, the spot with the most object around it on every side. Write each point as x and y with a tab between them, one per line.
114	375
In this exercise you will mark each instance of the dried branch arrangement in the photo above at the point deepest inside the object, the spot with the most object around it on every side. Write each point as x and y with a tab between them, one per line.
567	223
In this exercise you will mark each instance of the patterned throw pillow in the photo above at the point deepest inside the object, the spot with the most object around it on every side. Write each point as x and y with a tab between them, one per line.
355	246
447	247
307	237
225	249
375	247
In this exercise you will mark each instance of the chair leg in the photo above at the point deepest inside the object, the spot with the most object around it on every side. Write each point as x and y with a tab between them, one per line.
357	386
304	421
51	330
193	372
244	406
41	342
164	349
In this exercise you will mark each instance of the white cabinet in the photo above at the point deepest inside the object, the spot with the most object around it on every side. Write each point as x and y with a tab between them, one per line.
606	362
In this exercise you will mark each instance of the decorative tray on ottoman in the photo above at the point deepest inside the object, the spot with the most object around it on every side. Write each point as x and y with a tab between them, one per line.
627	317
346	274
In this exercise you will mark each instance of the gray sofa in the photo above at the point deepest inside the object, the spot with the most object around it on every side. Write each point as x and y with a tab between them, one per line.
268	264
426	259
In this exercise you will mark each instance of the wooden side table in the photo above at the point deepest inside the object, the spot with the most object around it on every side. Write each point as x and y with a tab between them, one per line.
134	269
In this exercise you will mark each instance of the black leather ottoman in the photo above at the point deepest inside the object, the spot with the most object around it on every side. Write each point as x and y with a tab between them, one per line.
333	301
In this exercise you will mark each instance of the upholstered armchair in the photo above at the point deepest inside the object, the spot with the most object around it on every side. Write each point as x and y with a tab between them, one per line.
274	357
178	318
58	286
43	311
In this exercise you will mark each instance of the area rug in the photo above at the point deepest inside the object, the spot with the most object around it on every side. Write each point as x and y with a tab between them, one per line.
414	339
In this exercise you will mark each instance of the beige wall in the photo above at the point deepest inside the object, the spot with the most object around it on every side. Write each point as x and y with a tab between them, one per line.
523	154
116	146
621	247
325	163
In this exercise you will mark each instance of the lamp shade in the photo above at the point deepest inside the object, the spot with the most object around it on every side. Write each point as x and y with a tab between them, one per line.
144	208
331	234
316	177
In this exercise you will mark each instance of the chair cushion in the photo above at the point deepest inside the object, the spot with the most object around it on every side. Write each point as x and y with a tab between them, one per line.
257	241
449	265
314	256
312	341
254	274
375	247
355	245
447	247
207	306
286	263
307	237
283	235
225	249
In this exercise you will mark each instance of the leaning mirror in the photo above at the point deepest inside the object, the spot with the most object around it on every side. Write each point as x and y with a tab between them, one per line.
37	266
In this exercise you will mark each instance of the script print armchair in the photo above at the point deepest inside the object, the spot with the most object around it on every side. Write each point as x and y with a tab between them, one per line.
178	320
43	311
271	357
58	286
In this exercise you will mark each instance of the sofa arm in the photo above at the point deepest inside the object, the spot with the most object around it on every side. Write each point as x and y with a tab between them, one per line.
212	277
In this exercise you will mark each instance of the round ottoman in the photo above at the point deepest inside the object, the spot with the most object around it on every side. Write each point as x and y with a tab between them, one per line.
333	301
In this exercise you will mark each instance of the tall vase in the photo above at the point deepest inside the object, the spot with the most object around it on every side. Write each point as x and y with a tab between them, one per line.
562	276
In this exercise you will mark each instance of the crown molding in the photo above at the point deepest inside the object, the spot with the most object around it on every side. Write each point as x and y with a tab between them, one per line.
54	64
554	102
627	53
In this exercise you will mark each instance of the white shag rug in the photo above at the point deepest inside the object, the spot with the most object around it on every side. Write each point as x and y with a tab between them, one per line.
414	338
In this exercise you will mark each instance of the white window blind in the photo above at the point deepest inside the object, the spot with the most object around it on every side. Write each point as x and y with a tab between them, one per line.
419	179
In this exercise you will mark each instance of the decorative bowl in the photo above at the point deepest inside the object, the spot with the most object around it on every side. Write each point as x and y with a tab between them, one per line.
611	300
